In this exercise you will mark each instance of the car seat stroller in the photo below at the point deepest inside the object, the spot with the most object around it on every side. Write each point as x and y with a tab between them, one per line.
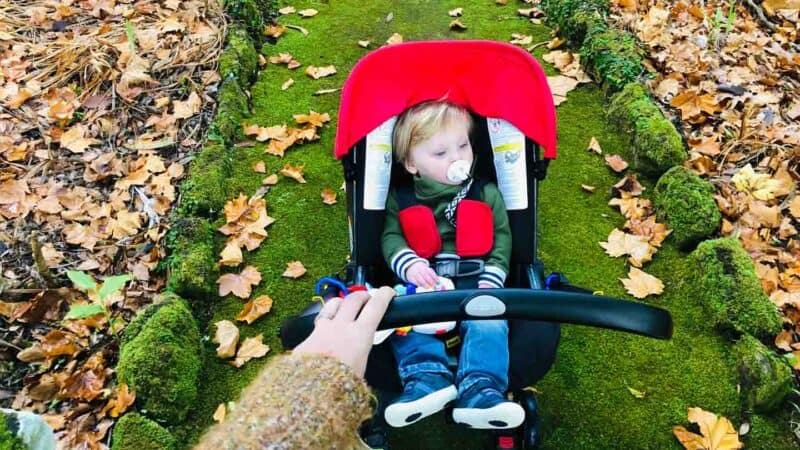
506	91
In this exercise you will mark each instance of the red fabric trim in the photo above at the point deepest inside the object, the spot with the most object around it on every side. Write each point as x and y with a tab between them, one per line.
493	79
420	231
474	228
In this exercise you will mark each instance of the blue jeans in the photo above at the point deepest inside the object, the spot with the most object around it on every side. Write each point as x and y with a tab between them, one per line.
483	359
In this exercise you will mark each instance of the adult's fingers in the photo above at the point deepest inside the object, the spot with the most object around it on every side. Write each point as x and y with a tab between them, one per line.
373	311
351	306
329	309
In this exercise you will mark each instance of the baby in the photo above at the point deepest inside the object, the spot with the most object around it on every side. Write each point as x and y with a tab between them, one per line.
449	220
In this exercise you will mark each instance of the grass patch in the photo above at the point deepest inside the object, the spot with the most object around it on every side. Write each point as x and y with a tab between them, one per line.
584	398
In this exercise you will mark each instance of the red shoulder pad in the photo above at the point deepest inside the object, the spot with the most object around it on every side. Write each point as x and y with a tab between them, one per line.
419	229
474	228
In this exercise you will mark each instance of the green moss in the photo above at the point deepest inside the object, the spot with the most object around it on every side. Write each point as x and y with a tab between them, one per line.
232	107
239	59
252	14
613	57
192	258
205	190
770	433
686	203
136	432
8	433
655	143
161	361
575	18
726	282
766	379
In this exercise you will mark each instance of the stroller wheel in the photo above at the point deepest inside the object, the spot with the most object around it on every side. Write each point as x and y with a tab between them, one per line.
374	437
530	429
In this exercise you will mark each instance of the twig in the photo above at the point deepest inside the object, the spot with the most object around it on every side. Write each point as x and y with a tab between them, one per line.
761	17
9	344
536	45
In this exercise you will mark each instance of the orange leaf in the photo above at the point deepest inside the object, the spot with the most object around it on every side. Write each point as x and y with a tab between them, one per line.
293	172
270	180
274	30
123	400
294	269
328	196
227	336
260	167
240	285
255	308
251	348
716	433
313	117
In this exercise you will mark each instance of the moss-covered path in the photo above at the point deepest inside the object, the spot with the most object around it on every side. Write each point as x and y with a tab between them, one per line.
585	398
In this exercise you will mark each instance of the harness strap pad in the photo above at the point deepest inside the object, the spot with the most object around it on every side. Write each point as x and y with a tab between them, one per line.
419	229
474	228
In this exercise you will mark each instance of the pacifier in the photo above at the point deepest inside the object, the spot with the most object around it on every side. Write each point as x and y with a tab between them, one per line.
458	171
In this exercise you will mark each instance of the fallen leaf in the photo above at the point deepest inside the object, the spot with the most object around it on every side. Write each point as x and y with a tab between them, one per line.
274	31
319	72
121	402
587	188
716	433
616	163
240	285
555	43
187	108
759	185
636	393
628	185
219	414
74	140
456	12
456	25
594	146
561	85
521	39
621	243
313	118
328	196
287	10
293	172
395	38
501	2
640	284
286	84
325	91
364	44
260	167
294	269
270	180
255	308
227	336
231	255
251	348
308	12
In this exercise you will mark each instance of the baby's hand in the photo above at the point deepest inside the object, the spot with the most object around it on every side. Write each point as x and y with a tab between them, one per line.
421	275
484	285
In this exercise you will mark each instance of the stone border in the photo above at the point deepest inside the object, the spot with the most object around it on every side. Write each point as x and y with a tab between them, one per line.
191	262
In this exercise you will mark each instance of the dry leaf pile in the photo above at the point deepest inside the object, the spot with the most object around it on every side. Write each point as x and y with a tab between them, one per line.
102	102
572	74
280	137
734	86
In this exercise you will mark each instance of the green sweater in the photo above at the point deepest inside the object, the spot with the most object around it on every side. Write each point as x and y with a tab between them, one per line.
436	195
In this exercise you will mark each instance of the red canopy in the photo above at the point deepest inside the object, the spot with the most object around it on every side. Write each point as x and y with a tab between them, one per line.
493	79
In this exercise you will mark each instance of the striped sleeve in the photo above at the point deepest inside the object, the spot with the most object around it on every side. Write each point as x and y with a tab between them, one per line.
402	260
493	275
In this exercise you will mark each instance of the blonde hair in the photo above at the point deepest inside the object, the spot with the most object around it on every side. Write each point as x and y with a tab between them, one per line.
420	122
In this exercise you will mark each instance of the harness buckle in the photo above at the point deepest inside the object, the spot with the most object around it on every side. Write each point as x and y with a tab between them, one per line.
452	268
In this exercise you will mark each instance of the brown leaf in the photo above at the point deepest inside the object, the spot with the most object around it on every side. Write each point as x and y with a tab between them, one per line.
260	167
219	414
328	196
638	247
227	336
240	285
640	284
616	163
594	146
255	308
313	118
319	72
74	139
293	172
294	269
274	30
187	108
716	433
456	25
693	106
57	343
121	402
231	255
270	180
555	43
784	340
85	384
628	185
251	348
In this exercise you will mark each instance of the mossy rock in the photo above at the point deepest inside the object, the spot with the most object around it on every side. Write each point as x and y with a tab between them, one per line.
193	270
136	432
232	108
8	433
160	360
686	203
250	14
726	282
612	56
239	59
656	145
575	18
766	379
205	191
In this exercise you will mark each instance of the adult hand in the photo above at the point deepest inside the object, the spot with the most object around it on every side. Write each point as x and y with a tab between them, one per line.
422	275
340	331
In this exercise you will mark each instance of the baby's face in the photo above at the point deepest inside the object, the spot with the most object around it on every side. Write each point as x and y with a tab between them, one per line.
431	158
